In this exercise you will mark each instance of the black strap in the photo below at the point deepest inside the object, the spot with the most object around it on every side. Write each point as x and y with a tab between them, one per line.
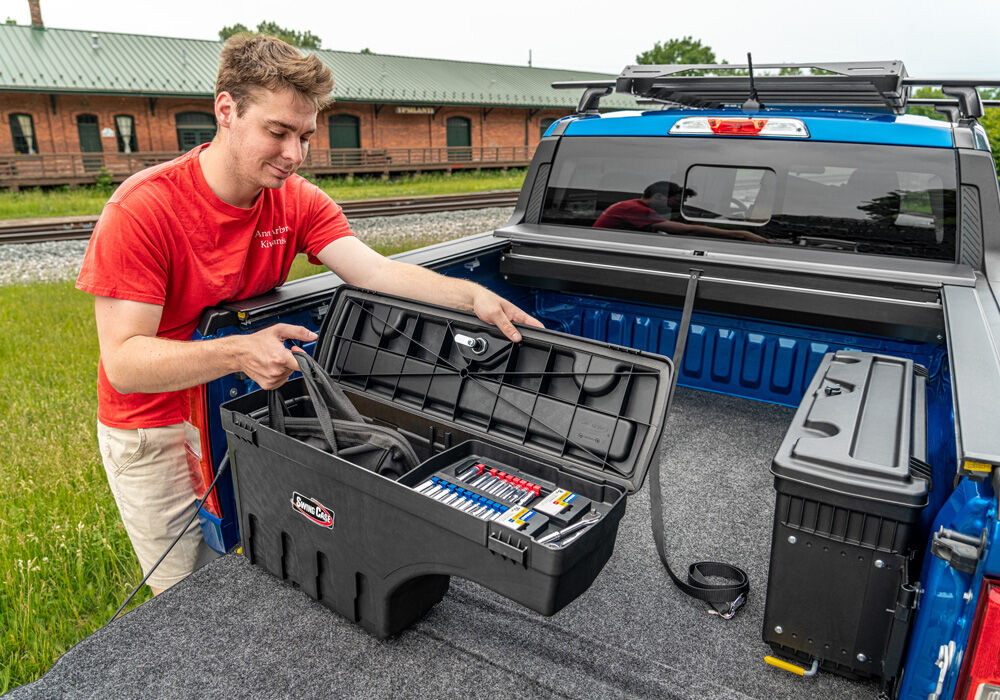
725	598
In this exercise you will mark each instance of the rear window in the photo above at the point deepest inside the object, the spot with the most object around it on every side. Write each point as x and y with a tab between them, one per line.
885	200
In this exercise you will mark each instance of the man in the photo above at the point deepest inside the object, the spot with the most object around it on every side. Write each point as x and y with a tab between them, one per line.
649	213
221	222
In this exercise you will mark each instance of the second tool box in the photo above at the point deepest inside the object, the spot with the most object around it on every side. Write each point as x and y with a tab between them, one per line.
851	482
525	454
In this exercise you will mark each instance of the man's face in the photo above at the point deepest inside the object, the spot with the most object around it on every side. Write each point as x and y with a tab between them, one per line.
659	202
271	139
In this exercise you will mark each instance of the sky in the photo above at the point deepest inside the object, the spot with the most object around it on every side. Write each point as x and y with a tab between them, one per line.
933	39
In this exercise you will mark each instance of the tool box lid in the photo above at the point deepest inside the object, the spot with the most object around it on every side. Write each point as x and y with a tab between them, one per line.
591	408
856	429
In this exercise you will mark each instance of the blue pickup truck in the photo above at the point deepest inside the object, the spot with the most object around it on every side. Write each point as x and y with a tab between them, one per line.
821	218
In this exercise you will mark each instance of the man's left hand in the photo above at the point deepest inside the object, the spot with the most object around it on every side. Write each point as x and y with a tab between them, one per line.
501	313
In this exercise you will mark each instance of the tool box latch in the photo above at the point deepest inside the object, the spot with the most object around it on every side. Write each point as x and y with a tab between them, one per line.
962	552
517	553
245	429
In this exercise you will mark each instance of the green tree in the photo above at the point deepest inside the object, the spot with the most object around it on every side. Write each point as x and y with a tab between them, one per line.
366	51
305	40
684	50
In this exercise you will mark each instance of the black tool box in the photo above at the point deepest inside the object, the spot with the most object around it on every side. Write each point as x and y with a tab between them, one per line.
851	481
528	452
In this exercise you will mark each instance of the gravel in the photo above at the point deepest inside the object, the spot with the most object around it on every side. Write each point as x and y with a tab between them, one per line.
25	263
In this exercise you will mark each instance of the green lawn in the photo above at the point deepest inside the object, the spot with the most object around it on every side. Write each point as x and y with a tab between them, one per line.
65	560
84	201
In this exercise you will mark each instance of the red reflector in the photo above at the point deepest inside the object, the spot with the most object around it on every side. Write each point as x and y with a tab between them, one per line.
199	455
736	126
982	656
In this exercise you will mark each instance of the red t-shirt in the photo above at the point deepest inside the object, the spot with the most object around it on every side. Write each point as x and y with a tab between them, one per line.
165	238
632	214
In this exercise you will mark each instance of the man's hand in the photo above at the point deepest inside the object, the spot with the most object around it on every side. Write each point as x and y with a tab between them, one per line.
492	308
263	357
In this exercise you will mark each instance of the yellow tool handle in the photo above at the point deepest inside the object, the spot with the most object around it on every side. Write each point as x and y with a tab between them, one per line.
784	665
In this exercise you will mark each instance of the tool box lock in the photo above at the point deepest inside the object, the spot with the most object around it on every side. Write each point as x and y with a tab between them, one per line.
508	548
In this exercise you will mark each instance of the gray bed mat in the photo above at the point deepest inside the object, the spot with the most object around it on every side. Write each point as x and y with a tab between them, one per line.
231	630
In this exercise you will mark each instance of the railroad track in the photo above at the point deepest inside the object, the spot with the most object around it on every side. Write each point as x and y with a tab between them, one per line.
80	227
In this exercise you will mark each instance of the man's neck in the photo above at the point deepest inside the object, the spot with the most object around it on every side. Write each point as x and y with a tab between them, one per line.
220	179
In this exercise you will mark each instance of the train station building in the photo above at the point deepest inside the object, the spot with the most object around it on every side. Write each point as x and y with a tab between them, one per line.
76	103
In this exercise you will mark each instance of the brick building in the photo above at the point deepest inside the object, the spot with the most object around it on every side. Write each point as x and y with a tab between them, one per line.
73	102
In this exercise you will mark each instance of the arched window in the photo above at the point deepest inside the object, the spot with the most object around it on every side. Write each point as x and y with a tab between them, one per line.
125	130
22	131
193	129
90	140
544	126
345	132
459	134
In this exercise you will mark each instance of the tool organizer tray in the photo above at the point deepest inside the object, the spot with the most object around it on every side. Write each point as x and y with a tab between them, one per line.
558	430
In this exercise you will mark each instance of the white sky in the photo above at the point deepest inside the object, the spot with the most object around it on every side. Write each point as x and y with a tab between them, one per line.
934	39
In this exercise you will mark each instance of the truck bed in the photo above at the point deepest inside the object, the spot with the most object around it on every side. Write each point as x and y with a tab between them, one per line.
633	634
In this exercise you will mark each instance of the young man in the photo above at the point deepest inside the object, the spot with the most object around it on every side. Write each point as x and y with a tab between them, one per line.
222	222
649	213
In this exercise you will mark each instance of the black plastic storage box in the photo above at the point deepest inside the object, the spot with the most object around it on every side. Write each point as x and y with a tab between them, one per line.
851	482
573	424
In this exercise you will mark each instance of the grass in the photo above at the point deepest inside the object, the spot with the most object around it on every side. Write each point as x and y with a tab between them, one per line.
65	559
87	201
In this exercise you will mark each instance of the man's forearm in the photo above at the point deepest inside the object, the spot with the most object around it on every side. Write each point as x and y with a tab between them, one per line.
415	282
144	364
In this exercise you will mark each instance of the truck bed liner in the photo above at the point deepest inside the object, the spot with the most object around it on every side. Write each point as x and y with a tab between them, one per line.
632	635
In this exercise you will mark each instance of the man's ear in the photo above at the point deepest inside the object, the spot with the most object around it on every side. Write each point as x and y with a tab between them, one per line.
225	109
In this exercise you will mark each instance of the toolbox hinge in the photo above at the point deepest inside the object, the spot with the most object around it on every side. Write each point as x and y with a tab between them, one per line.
962	552
244	429
511	550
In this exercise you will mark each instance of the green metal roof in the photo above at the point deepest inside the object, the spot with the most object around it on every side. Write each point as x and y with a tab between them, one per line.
66	60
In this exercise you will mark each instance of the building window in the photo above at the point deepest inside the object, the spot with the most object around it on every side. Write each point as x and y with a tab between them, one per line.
90	140
544	126
22	131
345	132
125	128
193	129
459	133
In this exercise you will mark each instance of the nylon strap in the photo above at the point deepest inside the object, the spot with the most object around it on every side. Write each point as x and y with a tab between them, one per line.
725	598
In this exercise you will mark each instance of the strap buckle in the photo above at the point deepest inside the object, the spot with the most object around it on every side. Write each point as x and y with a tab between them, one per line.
727	611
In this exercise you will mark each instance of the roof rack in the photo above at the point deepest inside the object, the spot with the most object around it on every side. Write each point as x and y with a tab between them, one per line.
880	85
874	85
967	103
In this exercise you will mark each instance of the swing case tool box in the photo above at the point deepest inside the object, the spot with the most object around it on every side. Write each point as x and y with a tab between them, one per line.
851	483
560	412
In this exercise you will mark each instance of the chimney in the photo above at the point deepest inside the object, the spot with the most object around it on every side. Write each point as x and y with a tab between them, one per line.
36	14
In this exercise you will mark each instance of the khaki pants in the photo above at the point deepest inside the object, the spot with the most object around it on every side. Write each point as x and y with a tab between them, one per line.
148	474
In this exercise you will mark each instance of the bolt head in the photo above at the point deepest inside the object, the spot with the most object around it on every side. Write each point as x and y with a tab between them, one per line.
879	564
792	539
778	629
862	658
233	392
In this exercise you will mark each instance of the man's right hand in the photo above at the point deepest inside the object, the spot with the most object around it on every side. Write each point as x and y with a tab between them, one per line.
263	357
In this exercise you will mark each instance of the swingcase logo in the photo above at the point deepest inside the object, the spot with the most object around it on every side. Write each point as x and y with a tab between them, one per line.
313	510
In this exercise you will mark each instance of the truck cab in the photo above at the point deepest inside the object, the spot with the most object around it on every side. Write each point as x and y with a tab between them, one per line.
821	217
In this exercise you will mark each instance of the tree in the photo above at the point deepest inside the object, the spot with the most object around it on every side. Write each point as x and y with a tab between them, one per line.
684	50
305	40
